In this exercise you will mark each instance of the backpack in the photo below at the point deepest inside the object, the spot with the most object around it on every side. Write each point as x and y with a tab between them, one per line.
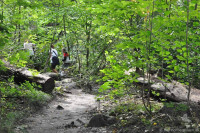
55	59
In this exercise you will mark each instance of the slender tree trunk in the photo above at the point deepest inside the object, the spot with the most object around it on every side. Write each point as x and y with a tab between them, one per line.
19	27
15	35
88	32
87	56
143	87
79	61
143	95
148	105
68	47
64	27
188	56
149	52
135	49
2	11
55	30
169	7
55	27
77	54
59	5
65	32
196	65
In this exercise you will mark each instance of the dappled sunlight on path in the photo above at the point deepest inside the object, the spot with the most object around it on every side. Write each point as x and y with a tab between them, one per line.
65	114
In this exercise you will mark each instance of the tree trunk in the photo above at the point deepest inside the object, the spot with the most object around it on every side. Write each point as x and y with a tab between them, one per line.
65	33
88	30
188	55
2	11
23	74
19	26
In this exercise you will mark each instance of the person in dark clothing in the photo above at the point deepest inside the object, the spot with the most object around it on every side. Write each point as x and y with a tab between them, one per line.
65	59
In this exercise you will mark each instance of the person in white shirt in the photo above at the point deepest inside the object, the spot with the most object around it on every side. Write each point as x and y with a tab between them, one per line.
30	47
54	59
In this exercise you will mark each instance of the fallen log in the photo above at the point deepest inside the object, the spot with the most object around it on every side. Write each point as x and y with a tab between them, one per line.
23	74
53	75
173	91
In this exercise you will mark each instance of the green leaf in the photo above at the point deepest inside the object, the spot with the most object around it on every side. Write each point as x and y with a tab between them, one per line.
180	57
184	49
176	68
179	50
171	71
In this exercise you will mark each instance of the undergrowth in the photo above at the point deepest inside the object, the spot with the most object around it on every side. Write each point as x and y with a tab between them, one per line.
18	101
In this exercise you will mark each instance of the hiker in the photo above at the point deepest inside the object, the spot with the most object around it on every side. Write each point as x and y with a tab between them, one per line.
54	59
30	47
65	58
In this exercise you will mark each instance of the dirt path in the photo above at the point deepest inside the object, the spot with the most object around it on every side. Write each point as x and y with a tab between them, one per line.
72	118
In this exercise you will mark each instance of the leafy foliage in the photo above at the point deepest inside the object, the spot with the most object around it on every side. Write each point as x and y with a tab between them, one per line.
105	39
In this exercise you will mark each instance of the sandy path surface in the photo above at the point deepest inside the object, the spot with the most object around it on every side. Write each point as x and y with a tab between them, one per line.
72	118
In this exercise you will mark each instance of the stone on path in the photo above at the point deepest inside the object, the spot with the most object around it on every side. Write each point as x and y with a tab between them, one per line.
59	107
101	121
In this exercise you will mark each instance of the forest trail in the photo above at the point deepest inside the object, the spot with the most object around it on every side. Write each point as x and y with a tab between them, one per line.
72	118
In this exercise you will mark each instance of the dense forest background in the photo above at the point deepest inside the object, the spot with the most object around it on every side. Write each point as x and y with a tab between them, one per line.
105	39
